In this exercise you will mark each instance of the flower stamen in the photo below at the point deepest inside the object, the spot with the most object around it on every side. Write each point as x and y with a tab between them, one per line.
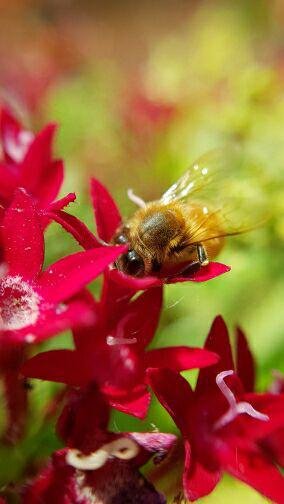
235	408
122	448
111	340
135	199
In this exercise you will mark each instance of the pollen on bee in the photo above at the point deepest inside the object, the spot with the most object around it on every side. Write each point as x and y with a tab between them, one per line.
205	210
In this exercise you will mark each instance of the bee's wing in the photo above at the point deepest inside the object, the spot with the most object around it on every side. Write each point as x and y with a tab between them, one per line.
197	177
231	193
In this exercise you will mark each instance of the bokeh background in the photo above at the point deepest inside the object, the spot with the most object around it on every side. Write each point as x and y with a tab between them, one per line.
140	89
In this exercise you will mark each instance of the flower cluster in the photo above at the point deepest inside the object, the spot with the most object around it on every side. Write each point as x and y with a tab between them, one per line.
225	426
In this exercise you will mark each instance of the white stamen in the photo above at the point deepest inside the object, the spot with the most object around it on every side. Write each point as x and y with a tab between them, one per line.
135	199
235	408
95	460
123	448
204	171
111	340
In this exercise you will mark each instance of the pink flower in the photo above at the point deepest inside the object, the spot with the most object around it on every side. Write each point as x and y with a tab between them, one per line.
222	425
28	162
108	220
113	352
97	464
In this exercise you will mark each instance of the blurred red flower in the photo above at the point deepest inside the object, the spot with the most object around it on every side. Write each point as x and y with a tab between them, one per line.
222	424
143	115
28	162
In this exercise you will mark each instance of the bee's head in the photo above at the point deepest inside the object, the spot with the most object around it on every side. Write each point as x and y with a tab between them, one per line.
131	263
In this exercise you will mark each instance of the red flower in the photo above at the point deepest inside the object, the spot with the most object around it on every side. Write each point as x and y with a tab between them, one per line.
28	161
222	424
36	304
113	352
144	116
97	464
108	220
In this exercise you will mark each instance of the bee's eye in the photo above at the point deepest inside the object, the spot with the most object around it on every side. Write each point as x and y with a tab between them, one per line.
121	239
133	264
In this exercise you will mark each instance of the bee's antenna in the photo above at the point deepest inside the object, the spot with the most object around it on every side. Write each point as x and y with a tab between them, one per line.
135	199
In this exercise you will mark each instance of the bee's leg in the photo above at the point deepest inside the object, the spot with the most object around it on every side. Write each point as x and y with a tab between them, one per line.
202	255
135	199
190	269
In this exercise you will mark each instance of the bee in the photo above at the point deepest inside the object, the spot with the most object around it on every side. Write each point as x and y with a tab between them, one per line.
188	225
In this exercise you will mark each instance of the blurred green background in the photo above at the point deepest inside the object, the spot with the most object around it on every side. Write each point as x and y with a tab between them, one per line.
139	91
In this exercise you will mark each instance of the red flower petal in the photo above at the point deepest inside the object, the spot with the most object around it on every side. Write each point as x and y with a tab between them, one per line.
76	228
23	237
245	362
60	366
107	215
218	342
62	202
68	275
174	393
135	284
271	405
50	183
144	315
114	295
205	273
179	358
255	470
76	314
37	159
136	404
274	446
198	480
9	181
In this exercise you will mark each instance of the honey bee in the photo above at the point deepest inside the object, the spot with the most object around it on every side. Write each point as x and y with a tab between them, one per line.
187	226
